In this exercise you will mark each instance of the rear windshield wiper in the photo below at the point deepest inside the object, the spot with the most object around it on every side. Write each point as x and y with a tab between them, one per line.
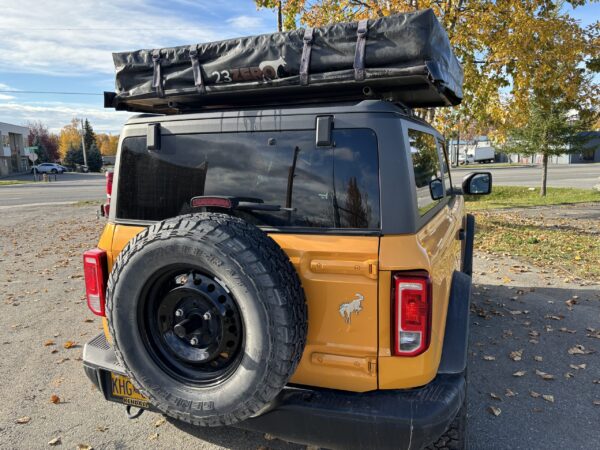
235	203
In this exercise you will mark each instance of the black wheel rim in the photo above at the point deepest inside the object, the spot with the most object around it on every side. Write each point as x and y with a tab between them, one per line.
192	325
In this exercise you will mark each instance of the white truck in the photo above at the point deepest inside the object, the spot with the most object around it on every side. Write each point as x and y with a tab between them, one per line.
481	155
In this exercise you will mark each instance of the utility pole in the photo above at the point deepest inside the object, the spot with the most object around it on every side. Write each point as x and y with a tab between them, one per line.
83	144
279	17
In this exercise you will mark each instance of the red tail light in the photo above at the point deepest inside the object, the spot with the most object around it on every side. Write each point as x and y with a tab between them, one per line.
94	269
109	185
412	314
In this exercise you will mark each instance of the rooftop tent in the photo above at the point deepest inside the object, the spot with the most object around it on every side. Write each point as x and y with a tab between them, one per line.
405	58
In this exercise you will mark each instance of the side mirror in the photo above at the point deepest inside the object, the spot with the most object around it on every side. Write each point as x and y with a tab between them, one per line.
477	183
436	189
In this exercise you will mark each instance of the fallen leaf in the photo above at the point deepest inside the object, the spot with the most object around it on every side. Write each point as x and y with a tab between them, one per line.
159	422
509	393
88	320
55	441
516	355
494	396
596	381
515	312
48	343
554	317
538	358
153	437
544	375
23	420
534	394
577	366
571	302
548	398
569	375
495	411
69	344
520	373
505	280
597	402
566	330
269	437
84	447
55	399
577	350
489	358
101	428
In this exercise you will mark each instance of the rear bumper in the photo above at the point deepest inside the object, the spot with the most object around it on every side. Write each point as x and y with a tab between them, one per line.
330	418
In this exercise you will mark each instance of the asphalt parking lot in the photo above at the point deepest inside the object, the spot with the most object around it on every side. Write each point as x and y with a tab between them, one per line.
516	308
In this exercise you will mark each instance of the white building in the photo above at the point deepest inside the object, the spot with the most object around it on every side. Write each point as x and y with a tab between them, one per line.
12	143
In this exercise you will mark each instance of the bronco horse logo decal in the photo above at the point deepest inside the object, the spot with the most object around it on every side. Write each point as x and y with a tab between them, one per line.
354	306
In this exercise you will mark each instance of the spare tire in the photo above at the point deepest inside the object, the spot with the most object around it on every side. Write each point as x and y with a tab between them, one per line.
208	317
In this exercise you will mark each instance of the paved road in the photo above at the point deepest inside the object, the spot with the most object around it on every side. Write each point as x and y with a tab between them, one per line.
583	176
70	187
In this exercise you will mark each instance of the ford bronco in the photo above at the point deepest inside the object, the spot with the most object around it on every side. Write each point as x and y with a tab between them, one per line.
285	249
302	271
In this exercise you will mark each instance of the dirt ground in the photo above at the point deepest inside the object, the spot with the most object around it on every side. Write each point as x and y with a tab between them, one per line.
520	323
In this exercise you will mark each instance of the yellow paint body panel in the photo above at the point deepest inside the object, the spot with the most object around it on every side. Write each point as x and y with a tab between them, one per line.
437	250
346	348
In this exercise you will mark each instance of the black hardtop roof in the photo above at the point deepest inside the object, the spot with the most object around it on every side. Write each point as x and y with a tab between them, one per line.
364	106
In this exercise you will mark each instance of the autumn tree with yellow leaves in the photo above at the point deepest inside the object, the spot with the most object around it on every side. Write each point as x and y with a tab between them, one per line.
69	137
512	51
107	143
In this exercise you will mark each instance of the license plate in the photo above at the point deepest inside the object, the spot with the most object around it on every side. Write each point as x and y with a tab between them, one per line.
123	389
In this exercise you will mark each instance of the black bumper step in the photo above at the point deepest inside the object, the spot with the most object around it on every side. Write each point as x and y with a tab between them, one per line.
331	418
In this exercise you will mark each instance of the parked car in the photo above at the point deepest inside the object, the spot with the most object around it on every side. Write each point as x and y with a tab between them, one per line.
49	168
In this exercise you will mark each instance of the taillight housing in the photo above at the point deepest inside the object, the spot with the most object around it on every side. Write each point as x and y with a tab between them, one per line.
95	271
411	296
109	185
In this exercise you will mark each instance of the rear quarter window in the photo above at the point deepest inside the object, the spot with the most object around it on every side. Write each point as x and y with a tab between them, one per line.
426	167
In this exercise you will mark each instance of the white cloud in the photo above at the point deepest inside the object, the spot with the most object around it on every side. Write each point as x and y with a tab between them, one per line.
246	22
57	114
71	38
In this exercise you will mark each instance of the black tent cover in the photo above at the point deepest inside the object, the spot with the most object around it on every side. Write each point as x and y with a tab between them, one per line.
405	58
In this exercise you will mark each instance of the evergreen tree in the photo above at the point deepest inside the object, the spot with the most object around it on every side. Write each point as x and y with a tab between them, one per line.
41	151
94	158
89	137
73	157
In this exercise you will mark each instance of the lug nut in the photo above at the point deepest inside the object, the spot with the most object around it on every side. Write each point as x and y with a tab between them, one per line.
207	316
194	341
179	313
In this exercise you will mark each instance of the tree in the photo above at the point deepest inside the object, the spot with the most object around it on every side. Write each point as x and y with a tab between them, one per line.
69	138
550	129
107	143
89	137
47	143
74	157
508	49
94	158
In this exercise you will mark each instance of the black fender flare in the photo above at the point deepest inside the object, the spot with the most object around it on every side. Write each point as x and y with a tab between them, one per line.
456	338
469	239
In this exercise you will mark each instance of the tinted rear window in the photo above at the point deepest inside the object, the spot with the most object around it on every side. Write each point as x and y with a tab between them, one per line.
326	187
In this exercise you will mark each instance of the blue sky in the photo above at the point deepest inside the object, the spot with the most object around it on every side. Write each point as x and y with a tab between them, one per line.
66	45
